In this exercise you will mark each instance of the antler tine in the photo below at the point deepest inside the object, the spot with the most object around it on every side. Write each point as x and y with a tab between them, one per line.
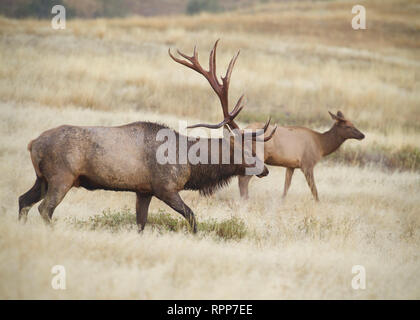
184	55
210	126
228	120
226	78
193	60
261	132
255	138
185	63
212	62
254	135
271	134
267	124
238	105
225	121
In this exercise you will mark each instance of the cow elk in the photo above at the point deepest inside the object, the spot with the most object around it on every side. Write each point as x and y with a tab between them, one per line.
123	158
299	147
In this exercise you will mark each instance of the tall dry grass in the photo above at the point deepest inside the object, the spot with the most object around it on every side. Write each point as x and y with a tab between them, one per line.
295	249
298	60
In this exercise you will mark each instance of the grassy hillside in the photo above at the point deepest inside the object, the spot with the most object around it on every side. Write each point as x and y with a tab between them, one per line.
121	8
298	60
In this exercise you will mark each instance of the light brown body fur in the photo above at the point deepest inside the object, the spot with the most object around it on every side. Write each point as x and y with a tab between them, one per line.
299	147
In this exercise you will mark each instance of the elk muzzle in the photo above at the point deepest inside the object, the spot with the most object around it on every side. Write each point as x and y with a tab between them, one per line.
358	134
264	173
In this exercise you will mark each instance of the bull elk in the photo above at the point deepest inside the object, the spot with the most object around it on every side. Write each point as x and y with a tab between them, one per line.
123	158
299	147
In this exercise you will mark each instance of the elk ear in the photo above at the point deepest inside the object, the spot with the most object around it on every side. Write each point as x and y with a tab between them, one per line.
340	115
333	116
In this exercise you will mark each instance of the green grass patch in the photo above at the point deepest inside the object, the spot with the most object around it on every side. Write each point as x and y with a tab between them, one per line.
229	229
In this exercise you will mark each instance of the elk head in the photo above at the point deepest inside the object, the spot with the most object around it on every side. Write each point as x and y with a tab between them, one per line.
345	128
222	89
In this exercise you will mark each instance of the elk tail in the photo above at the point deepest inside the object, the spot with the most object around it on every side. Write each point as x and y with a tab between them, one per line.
30	145
35	159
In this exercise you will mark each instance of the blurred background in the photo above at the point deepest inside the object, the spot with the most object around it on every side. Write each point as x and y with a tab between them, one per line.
122	8
298	60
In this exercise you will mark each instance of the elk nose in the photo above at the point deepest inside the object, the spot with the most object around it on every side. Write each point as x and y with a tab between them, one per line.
362	136
264	173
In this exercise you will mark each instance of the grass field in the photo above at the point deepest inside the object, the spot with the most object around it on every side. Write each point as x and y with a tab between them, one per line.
298	60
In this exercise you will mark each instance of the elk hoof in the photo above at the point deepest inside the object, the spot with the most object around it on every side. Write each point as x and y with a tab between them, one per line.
23	215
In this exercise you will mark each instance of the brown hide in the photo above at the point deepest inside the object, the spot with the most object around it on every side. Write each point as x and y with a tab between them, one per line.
299	147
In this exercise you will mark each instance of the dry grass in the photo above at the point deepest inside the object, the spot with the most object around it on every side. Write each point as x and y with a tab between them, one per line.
293	65
293	249
115	221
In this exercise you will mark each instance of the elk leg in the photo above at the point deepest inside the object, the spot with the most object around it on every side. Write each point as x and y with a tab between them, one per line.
288	180
309	175
175	202
55	194
243	182
28	199
142	208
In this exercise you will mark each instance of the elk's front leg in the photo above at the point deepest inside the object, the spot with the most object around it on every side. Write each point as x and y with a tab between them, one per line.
309	175
288	180
174	200
142	209
243	182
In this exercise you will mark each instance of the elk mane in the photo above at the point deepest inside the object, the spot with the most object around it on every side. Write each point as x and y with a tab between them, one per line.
208	178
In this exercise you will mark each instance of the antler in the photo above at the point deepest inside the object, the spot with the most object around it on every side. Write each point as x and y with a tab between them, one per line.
227	121
254	135
221	89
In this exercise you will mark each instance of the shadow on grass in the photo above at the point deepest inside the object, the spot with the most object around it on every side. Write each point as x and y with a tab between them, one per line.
114	221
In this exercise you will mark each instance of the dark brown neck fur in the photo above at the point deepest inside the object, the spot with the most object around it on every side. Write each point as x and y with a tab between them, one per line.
207	178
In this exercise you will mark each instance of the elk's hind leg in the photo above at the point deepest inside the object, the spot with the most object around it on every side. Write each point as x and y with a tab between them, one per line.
28	199
57	189
309	175
142	208
175	202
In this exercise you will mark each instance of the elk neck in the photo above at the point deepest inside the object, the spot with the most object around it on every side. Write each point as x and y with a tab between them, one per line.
330	141
207	178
